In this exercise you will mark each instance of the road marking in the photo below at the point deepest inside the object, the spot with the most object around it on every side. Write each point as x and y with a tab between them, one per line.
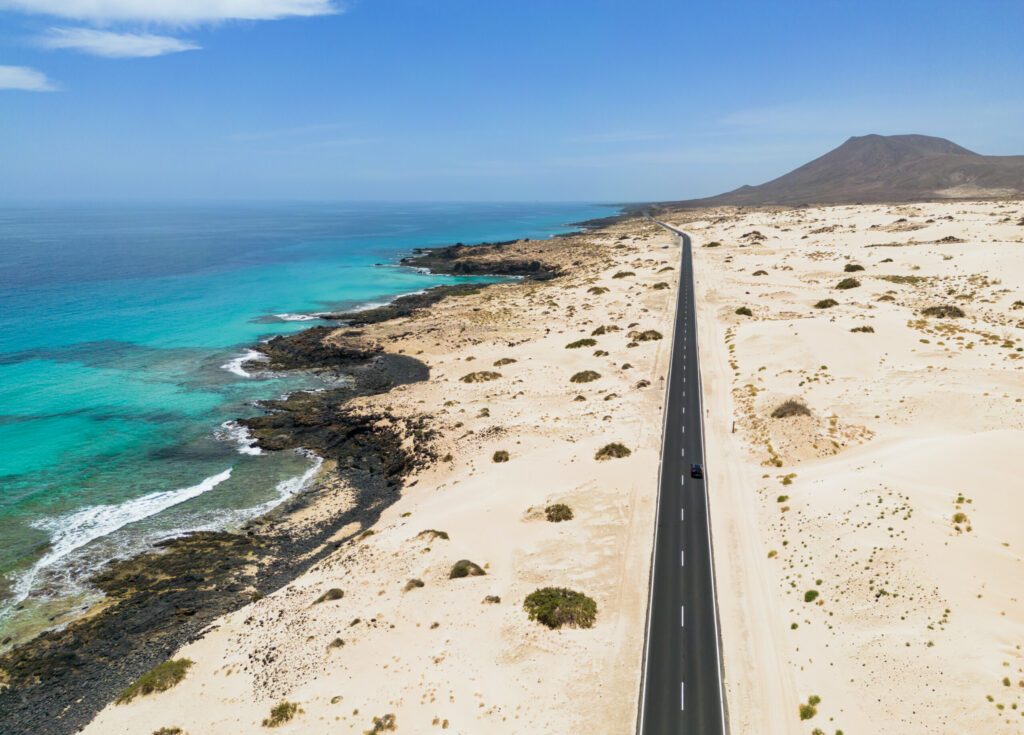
682	513
682	695
682	452
682	616
682	558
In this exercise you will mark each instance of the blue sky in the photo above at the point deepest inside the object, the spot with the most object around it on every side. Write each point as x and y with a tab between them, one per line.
603	100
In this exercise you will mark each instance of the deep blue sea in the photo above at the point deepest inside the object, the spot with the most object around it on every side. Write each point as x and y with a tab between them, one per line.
122	330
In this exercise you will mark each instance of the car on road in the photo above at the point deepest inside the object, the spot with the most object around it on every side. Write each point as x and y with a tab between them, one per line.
697	471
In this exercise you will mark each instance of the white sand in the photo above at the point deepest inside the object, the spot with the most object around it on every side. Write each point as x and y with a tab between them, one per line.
917	623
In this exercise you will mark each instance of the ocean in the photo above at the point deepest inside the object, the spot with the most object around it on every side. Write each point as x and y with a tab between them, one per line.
122	335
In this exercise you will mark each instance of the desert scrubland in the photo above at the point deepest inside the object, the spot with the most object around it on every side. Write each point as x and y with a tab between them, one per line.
863	371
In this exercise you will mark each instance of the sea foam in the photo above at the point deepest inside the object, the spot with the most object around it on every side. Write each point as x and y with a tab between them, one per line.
235	365
72	531
235	432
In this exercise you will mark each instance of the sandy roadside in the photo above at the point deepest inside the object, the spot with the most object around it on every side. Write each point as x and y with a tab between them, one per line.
440	656
892	508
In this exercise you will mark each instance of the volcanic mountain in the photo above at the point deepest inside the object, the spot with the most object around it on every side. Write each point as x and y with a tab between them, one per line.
885	168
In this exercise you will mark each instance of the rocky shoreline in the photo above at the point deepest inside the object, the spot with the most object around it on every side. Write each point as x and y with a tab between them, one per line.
160	600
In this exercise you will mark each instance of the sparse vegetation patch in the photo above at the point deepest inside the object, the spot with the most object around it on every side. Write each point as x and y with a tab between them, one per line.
332	594
581	343
615	450
558	512
947	311
826	304
558	606
585	376
465	568
158	679
481	376
791	407
848	283
280	714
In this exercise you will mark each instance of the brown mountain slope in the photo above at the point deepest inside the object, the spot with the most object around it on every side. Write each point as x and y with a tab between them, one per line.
893	168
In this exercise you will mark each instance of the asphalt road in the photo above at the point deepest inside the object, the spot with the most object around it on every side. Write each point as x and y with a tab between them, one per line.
682	686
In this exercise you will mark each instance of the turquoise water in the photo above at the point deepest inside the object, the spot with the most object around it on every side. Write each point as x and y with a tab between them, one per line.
121	330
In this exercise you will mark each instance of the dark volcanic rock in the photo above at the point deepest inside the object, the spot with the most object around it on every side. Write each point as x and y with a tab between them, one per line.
478	260
406	305
160	600
307	350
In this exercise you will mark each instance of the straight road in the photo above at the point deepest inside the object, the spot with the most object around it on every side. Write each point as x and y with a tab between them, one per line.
682	684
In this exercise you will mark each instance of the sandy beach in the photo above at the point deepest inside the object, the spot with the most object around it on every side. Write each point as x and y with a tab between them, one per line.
869	547
407	641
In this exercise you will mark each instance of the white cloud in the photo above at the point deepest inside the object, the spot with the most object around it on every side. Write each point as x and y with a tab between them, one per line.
114	45
172	11
22	77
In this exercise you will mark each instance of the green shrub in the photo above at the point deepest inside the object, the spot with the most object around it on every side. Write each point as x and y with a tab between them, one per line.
848	283
413	584
465	568
760	273
807	711
597	290
810	595
615	450
480	377
599	331
585	376
280	714
581	343
624	274
491	600
558	606
504	361
826	304
169	731
944	312
158	679
713	244
866	330
500	456
648	335
744	311
660	286
852	268
789	408
558	512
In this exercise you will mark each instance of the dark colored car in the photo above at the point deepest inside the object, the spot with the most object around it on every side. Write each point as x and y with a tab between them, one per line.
697	471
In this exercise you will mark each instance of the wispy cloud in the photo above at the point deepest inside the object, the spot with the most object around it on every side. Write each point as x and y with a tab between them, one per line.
25	78
114	45
175	12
